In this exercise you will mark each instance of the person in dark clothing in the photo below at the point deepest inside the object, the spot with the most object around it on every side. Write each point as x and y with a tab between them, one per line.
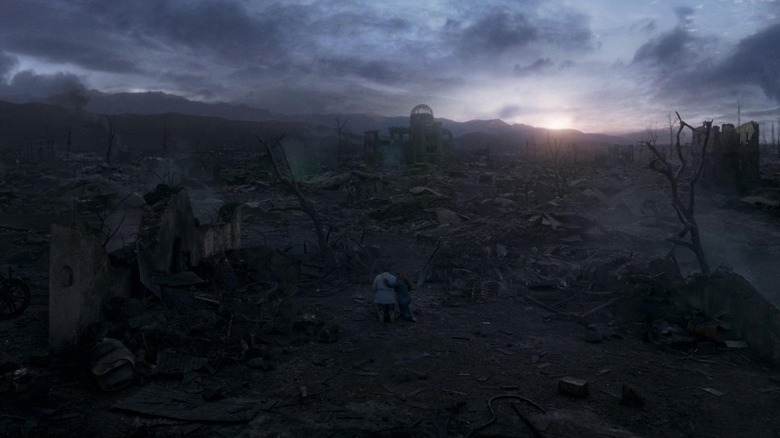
402	288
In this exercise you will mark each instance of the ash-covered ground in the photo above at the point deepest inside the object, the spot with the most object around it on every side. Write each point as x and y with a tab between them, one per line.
546	303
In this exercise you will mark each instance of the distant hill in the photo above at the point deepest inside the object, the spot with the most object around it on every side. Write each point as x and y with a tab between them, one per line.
141	118
22	124
499	135
157	102
357	124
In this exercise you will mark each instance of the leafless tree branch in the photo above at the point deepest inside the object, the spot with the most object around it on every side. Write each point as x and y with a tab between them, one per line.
685	213
288	180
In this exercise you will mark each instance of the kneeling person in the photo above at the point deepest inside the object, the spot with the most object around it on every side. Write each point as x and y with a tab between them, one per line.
402	288
384	296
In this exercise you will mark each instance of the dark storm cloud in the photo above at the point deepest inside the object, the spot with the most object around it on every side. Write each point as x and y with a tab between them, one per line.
355	23
491	33
57	33
117	37
494	31
381	71
195	47
221	27
645	25
669	49
566	30
684	14
684	62
87	54
538	66
7	62
673	48
30	83
510	111
755	61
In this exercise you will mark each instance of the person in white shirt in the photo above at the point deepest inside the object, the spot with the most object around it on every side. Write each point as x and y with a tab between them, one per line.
384	296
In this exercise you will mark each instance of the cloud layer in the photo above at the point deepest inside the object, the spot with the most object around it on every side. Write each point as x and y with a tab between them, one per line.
466	59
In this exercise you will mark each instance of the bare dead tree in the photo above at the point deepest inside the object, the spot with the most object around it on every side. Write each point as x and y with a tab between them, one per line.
560	173
675	174
575	149
287	179
111	135
672	125
68	143
103	227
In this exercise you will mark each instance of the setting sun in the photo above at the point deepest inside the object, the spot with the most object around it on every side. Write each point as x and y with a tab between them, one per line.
557	123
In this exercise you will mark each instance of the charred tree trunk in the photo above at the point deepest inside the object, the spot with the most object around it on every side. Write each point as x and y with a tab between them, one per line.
685	210
288	180
68	143
111	134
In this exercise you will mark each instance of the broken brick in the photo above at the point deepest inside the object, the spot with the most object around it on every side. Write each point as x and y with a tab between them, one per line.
573	387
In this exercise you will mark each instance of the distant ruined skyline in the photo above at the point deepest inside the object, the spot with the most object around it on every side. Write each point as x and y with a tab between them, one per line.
598	66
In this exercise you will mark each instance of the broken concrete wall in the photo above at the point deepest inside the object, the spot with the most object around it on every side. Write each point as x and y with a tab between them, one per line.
756	318
223	236
370	143
733	158
79	284
171	242
748	134
168	235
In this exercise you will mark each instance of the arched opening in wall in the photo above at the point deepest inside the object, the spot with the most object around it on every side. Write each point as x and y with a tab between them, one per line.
66	276
176	256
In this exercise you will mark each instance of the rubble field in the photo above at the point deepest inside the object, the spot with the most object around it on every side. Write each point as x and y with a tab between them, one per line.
548	302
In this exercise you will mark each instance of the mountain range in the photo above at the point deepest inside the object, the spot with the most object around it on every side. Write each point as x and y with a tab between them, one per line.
142	119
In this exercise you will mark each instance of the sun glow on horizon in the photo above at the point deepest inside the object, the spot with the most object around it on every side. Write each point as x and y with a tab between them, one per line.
557	122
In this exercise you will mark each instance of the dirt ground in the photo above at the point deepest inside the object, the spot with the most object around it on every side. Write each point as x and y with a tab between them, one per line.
479	361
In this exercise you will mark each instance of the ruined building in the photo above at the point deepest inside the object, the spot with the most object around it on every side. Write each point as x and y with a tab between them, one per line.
424	141
169	243
732	155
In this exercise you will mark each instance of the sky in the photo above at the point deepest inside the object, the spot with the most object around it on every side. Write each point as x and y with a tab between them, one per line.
597	65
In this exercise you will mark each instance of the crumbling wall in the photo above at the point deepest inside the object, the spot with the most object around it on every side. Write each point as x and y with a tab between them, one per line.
733	158
748	164
170	240
223	236
370	143
79	284
81	278
168	235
